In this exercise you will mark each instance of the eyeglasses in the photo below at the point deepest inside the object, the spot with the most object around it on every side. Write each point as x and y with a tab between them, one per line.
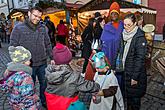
36	16
128	25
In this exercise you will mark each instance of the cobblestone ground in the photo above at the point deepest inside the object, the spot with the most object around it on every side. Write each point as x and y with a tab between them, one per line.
4	59
153	100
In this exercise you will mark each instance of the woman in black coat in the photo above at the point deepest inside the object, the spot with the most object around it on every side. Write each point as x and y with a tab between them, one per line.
87	38
133	58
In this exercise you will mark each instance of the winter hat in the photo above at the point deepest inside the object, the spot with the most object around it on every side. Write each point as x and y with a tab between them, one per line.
99	60
114	8
19	54
61	54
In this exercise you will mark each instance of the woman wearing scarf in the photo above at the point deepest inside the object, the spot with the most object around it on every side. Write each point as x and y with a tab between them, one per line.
133	53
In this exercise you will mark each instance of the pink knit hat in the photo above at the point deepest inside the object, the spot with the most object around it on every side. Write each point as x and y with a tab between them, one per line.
61	54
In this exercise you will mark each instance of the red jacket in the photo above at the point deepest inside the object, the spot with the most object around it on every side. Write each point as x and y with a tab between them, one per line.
62	29
53	100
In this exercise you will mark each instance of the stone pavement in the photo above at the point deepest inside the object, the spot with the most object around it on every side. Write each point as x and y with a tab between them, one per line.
4	59
153	100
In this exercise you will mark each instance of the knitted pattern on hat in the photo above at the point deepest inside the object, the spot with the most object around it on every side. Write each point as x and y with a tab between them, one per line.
19	54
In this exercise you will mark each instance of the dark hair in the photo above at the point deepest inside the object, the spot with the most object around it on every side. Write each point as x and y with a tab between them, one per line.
139	17
131	16
100	20
61	22
36	8
8	17
47	17
91	21
97	14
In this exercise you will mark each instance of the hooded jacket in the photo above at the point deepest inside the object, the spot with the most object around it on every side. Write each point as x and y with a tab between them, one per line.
19	86
64	84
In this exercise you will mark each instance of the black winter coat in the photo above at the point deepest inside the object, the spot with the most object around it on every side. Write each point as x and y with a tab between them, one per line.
87	38
98	31
135	66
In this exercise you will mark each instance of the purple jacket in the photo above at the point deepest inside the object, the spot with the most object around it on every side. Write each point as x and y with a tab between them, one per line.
110	40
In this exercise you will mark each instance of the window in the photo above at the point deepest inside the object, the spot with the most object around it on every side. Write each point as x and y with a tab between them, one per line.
2	1
20	2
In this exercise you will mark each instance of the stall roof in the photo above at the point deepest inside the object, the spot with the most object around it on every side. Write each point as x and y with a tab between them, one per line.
105	4
73	5
49	9
18	10
59	5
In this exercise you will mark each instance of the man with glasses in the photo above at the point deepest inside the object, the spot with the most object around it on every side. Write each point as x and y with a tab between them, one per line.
34	36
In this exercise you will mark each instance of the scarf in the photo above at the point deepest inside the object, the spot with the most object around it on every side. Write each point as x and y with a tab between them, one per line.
127	37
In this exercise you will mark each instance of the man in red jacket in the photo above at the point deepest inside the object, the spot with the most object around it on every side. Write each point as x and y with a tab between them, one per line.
62	32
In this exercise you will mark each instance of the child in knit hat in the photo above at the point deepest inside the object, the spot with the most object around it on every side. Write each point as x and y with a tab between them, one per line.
63	84
109	88
17	81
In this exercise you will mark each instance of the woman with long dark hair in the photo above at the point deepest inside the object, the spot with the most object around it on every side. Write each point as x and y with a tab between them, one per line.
87	38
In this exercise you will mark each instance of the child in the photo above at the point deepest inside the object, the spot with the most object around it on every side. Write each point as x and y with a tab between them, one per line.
17	81
63	85
104	99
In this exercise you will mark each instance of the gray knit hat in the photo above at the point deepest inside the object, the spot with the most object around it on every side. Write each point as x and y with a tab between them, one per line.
19	54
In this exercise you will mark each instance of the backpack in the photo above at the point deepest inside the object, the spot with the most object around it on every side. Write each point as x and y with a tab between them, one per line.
78	105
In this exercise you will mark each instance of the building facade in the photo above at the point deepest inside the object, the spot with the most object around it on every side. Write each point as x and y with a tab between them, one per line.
23	4
159	5
4	7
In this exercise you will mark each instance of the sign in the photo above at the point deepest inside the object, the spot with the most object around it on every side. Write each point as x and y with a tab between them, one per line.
137	1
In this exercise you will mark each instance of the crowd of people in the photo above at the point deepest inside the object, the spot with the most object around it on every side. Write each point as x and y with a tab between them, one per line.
124	45
5	30
113	75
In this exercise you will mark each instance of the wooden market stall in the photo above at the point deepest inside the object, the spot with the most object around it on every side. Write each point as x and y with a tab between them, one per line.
102	6
58	10
18	13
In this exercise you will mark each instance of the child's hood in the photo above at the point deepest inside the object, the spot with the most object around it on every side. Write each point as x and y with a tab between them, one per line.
19	67
57	74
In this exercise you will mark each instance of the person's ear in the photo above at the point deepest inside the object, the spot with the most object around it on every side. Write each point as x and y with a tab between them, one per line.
29	13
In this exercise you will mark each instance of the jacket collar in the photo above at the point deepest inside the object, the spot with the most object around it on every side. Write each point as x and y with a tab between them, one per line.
109	27
140	33
19	67
31	25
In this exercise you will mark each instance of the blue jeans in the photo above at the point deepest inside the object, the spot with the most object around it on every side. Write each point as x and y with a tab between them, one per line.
39	71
